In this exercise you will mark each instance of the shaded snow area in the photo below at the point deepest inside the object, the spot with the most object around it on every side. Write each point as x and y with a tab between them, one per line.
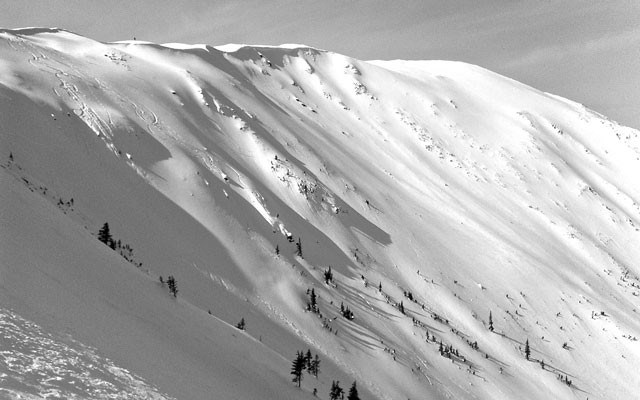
427	229
36	364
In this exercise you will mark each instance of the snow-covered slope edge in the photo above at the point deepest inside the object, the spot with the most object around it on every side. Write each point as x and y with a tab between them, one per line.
458	191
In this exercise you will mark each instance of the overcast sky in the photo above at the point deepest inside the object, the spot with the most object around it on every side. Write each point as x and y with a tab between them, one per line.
587	51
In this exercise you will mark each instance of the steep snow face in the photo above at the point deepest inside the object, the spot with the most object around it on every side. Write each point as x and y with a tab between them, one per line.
438	193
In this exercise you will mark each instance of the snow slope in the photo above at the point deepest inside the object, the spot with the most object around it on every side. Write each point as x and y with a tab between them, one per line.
458	191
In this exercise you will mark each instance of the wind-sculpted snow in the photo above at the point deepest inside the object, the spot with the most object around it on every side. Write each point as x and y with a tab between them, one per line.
438	193
35	364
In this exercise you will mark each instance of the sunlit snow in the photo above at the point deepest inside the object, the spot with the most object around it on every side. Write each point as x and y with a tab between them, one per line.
436	187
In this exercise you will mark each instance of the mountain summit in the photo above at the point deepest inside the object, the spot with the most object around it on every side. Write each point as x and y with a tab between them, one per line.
427	229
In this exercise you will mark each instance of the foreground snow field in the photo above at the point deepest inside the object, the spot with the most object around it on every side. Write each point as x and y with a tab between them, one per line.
438	193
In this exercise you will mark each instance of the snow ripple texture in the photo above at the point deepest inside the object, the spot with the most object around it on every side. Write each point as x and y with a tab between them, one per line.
37	365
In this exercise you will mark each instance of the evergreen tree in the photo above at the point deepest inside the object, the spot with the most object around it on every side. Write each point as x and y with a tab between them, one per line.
297	367
336	391
328	275
315	366
104	235
173	286
241	324
314	300
527	350
490	322
401	307
299	248
308	358
380	287
353	392
277	250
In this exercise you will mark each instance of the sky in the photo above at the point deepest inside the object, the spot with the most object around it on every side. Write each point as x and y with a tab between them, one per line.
587	51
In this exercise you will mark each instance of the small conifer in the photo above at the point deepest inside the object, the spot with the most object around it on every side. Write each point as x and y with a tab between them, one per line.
297	367
328	275
104	235
308	358
336	391
314	301
173	286
353	392
315	366
490	322
299	248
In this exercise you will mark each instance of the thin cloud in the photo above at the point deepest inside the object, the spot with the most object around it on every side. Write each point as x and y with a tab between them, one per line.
613	42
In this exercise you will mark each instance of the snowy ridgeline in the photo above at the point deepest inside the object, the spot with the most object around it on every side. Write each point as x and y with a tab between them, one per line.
426	227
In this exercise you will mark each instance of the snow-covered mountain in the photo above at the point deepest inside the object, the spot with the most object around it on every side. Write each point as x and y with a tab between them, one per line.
437	193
